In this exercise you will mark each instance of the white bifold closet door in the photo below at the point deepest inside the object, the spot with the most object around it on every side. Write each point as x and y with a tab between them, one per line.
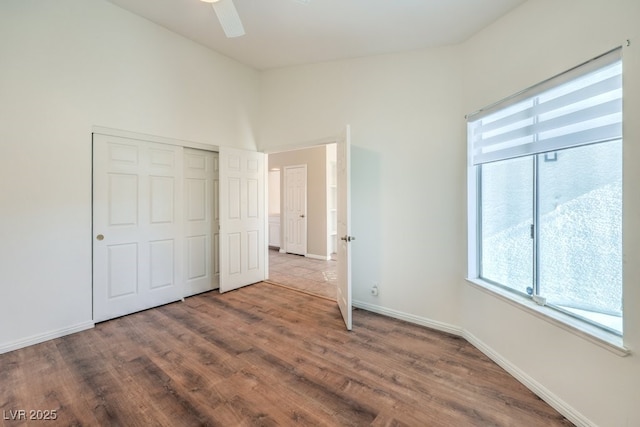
243	243
137	225
169	223
201	221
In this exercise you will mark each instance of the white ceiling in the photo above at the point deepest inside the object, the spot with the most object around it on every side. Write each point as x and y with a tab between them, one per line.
281	33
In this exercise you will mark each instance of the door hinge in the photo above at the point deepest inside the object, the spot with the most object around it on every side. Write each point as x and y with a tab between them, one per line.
532	231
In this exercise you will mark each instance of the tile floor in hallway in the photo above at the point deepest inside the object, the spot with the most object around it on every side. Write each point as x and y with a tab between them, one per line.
309	275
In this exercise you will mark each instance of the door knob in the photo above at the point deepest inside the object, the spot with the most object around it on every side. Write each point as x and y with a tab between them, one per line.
348	238
302	216
100	237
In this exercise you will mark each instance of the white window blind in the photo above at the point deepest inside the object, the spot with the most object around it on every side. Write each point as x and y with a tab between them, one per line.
579	107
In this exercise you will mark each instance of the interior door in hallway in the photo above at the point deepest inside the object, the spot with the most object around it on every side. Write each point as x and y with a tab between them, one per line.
201	221
295	209
243	243
343	291
137	225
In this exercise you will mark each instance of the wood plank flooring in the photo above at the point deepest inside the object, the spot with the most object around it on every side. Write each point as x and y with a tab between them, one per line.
263	355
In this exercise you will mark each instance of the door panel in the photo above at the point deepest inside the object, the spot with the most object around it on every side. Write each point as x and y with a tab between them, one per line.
201	225
122	267
123	199
242	207
233	198
137	225
235	253
253	251
196	195
344	229
162	199
161	254
196	257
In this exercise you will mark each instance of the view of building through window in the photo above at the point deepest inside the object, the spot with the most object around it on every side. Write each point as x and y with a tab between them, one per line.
548	172
579	229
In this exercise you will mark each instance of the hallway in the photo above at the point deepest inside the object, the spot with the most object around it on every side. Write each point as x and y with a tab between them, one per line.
312	276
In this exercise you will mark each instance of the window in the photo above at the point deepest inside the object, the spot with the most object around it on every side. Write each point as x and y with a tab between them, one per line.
545	193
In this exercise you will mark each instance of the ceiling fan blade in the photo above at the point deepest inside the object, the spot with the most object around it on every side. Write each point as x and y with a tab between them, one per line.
229	18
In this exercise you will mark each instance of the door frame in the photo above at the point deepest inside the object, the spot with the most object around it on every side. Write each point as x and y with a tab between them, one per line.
294	147
153	138
286	197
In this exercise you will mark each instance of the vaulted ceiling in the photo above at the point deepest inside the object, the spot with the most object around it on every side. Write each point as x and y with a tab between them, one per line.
281	33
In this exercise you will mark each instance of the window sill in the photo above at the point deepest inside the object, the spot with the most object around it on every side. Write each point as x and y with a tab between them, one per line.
591	333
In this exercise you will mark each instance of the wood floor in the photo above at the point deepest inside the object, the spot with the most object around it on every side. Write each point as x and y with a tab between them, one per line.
263	355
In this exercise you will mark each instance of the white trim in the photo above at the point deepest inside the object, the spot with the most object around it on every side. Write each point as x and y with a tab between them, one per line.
37	339
554	401
265	207
322	257
153	138
593	334
418	320
312	256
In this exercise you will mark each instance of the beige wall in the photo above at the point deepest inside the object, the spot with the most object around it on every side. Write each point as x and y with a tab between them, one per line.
315	159
274	193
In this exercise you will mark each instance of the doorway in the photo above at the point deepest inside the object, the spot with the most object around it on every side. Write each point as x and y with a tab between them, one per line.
308	266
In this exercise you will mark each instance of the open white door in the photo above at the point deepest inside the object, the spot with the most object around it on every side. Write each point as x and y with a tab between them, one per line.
344	231
242	218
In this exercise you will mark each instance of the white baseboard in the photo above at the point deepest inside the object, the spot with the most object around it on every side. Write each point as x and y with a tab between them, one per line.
439	326
282	251
37	339
554	401
323	258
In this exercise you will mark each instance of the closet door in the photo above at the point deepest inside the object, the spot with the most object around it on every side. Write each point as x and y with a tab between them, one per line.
137	225
201	271
243	244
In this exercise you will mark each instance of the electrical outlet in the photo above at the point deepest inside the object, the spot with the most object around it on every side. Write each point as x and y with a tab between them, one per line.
374	290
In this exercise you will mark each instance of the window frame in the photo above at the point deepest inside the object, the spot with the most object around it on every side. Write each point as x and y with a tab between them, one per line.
591	330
